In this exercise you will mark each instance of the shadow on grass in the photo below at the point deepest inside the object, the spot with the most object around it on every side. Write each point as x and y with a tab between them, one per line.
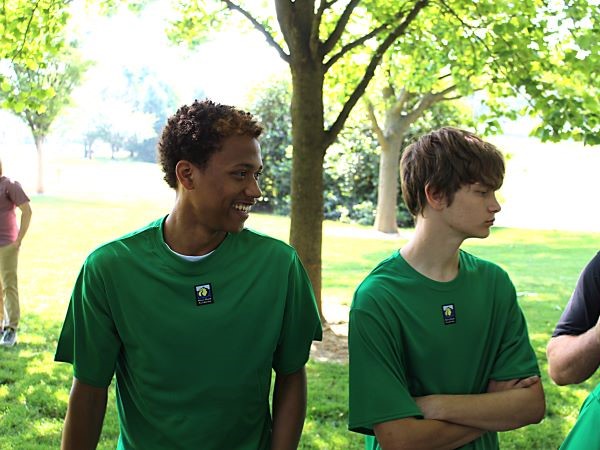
34	389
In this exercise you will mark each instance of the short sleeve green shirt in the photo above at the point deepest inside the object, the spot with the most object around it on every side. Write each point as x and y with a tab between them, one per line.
192	343
584	435
411	336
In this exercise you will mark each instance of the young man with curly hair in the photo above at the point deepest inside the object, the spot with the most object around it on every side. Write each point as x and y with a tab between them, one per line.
193	311
439	352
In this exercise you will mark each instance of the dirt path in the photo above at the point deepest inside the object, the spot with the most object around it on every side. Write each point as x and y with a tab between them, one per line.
334	346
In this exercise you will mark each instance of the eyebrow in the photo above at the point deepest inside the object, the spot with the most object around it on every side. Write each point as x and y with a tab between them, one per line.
248	166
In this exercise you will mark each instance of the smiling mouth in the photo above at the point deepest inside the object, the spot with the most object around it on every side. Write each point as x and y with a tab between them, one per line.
242	207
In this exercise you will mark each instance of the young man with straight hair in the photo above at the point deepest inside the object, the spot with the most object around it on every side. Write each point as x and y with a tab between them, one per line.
193	311
440	357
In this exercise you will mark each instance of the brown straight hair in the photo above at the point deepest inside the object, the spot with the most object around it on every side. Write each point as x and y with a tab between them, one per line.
447	159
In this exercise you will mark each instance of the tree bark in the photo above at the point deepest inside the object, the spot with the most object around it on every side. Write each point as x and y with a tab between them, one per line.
387	189
308	139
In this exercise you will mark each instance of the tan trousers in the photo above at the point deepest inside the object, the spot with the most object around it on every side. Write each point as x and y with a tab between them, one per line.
9	299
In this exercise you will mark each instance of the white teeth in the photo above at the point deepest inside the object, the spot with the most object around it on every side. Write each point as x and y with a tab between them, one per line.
243	208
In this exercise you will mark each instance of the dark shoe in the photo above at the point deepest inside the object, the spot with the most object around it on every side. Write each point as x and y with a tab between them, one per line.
9	338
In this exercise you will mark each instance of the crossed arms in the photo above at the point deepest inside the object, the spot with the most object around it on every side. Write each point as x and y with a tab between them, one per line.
451	421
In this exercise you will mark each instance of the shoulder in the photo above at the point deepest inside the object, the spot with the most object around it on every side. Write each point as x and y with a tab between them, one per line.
375	286
482	267
593	267
119	249
263	242
10	184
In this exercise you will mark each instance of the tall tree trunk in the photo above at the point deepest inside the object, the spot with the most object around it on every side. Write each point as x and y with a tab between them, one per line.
308	140
397	124
39	141
387	190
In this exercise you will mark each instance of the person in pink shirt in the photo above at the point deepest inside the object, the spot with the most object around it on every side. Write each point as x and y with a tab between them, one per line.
11	236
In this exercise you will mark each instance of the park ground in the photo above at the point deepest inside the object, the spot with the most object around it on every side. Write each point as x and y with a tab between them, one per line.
550	230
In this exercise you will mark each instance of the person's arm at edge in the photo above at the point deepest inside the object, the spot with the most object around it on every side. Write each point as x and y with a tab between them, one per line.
289	409
25	221
85	416
414	434
573	359
506	406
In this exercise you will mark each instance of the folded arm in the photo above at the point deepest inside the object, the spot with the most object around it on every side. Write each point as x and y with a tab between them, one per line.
573	359
506	405
85	415
415	434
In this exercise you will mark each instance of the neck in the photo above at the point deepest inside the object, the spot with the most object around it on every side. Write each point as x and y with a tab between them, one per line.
432	251
183	234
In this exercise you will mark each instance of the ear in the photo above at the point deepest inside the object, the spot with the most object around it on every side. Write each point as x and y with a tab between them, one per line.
435	199
184	171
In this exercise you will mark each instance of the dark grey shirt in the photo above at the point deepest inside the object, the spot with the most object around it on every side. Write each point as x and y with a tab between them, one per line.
583	309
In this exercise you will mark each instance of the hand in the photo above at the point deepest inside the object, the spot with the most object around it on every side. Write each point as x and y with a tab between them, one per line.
499	386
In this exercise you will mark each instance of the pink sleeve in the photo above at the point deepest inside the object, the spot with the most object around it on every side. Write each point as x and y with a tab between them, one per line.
16	193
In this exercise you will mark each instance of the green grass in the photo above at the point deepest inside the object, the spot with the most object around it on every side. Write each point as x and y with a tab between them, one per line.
34	390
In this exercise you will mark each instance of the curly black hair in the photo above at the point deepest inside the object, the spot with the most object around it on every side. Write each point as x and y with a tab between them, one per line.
197	131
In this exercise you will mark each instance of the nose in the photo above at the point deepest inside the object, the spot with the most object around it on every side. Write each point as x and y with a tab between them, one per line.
253	189
495	205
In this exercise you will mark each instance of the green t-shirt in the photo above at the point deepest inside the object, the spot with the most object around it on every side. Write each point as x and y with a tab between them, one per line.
412	336
584	435
192	343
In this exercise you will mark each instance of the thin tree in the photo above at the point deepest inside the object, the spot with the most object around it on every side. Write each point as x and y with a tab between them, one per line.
320	40
38	93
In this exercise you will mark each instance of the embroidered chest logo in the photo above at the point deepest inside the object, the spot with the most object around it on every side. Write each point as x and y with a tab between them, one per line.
204	294
449	313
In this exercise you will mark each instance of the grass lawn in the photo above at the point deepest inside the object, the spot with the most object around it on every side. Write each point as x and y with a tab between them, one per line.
33	389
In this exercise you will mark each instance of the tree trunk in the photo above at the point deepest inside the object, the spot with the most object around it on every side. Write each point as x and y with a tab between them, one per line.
390	140
387	189
39	141
308	139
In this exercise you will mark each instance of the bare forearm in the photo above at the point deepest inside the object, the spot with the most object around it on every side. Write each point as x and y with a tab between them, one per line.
289	410
85	415
417	434
573	359
493	411
25	221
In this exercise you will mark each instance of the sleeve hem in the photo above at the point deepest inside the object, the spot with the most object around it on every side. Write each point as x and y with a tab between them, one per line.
512	376
367	427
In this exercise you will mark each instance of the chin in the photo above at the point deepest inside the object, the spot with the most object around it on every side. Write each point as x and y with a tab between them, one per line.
235	228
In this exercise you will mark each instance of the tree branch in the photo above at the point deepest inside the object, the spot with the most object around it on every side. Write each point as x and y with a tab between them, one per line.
427	101
374	122
401	101
22	46
346	48
340	26
336	127
314	36
270	39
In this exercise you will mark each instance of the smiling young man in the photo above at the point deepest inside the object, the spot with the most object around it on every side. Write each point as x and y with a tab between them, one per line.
193	312
439	352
